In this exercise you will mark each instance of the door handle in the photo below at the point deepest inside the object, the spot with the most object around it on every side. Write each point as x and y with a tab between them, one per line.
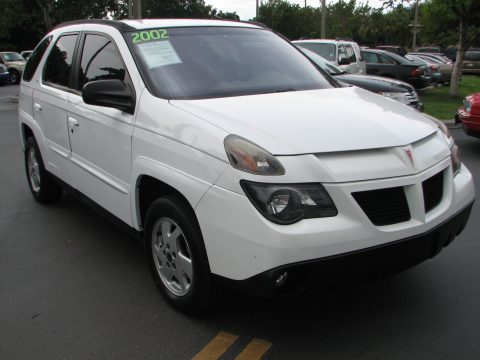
37	107
73	122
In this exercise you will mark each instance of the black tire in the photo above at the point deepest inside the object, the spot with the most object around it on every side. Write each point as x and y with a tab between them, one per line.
14	77
48	190
204	291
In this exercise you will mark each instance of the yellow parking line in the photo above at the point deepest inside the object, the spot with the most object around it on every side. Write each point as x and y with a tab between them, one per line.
254	350
215	348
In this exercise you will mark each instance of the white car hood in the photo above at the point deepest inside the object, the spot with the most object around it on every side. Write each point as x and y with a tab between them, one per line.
314	121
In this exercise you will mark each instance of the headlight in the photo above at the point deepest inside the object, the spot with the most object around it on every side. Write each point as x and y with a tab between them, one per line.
289	203
398	96
467	105
455	158
249	157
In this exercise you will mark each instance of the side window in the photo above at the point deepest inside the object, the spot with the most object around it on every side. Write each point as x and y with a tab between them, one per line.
341	52
370	58
1	60
59	61
385	60
350	54
100	60
35	58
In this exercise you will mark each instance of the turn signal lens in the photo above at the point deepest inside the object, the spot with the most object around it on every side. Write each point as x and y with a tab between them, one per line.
456	161
249	157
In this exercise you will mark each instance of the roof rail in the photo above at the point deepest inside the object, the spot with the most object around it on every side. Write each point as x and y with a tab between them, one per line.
121	26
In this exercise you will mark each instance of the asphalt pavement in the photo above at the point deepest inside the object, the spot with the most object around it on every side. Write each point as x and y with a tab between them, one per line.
73	286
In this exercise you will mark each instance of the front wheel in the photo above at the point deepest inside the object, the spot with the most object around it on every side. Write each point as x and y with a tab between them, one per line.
14	76
177	256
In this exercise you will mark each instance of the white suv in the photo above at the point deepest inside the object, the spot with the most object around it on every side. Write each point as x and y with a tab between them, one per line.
234	158
345	54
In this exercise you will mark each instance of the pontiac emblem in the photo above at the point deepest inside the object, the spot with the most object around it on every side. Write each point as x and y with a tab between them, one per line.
409	153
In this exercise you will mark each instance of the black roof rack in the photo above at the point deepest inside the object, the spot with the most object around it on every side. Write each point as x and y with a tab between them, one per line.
120	26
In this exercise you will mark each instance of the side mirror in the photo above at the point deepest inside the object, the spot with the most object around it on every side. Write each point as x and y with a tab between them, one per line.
110	93
344	61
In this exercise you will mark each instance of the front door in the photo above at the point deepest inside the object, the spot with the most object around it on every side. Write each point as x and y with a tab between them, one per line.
101	137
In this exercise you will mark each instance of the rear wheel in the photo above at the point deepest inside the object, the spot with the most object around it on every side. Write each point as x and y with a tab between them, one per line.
177	256
43	187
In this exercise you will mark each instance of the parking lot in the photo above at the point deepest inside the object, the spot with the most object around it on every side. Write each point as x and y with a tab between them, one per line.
73	286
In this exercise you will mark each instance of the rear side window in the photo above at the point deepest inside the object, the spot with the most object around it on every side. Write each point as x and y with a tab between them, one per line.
59	62
100	60
35	58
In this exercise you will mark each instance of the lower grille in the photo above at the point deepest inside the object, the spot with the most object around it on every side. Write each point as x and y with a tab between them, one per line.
385	206
433	191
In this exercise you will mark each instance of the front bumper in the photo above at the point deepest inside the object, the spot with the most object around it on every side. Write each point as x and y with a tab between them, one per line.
471	123
357	265
242	244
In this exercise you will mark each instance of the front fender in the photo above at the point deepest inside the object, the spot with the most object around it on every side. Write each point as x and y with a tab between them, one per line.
188	170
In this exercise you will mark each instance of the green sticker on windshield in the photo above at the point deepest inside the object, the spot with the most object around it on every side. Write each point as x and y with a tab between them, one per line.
149	35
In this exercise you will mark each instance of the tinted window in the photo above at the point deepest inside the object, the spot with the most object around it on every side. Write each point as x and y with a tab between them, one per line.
59	61
398	58
100	60
210	62
327	51
35	58
370	58
385	60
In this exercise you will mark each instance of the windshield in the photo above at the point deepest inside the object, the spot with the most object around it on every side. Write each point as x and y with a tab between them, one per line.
327	51
12	56
209	62
325	65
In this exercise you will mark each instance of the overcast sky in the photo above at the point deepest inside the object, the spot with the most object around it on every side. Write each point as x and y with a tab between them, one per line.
246	8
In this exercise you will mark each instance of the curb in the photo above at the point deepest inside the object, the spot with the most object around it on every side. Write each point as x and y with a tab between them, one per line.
13	99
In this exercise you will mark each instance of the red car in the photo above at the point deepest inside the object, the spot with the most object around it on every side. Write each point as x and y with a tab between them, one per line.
469	115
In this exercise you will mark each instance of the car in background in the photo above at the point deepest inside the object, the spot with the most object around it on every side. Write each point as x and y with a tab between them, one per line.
387	64
440	57
433	69
393	89
469	115
430	49
345	54
4	75
471	63
15	64
26	54
393	48
445	66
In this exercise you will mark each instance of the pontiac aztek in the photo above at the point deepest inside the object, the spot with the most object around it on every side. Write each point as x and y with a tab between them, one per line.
238	161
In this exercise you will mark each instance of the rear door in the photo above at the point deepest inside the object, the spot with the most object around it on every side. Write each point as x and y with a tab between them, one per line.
49	105
100	136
